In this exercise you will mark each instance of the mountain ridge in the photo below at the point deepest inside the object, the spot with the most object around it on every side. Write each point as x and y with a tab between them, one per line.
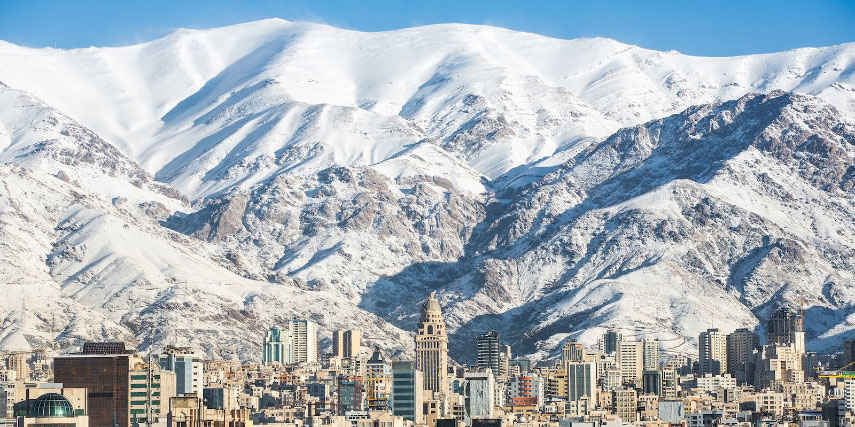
655	83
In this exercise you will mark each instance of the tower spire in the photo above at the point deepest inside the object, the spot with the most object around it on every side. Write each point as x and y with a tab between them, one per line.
432	346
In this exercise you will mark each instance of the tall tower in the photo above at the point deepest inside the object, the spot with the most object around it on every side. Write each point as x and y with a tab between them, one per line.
488	351
346	343
786	327
712	352
848	352
630	356
432	346
278	347
304	334
651	353
610	342
741	345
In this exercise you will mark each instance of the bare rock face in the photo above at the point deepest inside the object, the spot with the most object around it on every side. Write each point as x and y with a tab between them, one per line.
222	219
400	222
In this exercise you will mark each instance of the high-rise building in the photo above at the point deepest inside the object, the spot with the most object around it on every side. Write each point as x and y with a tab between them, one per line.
848	353
189	368
671	412
786	327
504	361
527	390
17	362
101	368
519	365
610	341
479	394
432	346
378	382
624	404
651	382
572	351
489	351
349	394
278	347
581	380
631	360
741	345
150	391
669	383
346	343
304	334
6	401
849	394
407	391
650	359
555	382
712	352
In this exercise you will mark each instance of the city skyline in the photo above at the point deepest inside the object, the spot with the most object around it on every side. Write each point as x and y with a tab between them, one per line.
621	377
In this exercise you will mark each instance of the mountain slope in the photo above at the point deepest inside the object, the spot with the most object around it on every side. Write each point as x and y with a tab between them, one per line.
218	181
83	254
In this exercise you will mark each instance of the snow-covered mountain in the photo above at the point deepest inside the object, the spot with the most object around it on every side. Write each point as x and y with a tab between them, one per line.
210	183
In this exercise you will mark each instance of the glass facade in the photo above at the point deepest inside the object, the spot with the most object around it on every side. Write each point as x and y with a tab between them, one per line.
488	351
406	390
214	398
581	380
106	379
349	394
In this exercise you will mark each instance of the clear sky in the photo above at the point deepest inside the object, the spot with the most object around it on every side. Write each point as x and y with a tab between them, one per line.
713	27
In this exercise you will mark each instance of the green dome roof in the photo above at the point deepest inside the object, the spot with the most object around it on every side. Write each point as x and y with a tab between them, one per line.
51	405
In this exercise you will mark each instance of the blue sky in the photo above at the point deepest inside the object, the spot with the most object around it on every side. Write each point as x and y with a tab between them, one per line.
713	28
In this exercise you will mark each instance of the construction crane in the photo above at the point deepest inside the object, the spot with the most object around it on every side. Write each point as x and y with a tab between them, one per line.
840	373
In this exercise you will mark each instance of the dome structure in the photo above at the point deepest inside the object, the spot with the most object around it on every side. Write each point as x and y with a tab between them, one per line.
51	405
431	306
